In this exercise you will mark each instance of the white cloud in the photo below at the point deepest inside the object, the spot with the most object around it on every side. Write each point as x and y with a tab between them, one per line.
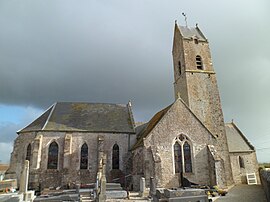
8	131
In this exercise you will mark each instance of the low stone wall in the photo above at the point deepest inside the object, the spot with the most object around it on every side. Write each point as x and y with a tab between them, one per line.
12	183
265	180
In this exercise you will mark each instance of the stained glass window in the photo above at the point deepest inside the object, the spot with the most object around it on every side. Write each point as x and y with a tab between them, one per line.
177	157
53	156
115	157
84	156
187	158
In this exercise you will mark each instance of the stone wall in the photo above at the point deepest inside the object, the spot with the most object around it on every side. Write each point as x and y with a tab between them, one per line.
18	156
138	168
68	171
250	166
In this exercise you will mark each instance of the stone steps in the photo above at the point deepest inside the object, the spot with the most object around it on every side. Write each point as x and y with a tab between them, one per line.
113	186
86	199
85	195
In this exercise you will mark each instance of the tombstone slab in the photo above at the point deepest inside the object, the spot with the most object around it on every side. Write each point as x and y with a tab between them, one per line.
120	194
170	193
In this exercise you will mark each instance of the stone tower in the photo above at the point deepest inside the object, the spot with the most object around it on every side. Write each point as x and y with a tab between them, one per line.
195	82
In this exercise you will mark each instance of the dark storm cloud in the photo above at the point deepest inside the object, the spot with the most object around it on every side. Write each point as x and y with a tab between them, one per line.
99	51
72	53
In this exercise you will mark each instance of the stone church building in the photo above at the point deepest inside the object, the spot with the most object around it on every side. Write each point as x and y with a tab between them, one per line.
65	143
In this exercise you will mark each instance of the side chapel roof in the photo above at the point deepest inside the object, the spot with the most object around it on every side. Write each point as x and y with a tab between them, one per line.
84	117
237	142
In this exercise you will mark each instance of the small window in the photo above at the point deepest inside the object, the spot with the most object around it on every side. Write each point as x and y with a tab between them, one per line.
196	41
28	153
199	62
84	157
241	162
115	157
53	156
179	67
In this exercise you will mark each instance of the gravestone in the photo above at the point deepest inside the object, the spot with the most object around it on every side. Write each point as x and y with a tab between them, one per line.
152	187
142	187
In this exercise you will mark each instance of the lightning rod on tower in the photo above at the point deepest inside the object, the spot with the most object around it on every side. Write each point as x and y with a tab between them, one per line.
185	15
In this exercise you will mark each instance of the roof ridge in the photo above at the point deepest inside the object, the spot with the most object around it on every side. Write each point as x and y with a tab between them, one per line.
79	102
242	135
21	130
48	118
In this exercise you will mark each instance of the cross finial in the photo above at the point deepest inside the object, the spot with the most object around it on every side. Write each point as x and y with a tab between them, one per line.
185	15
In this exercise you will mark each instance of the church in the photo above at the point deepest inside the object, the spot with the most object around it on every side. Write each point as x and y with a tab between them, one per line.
64	145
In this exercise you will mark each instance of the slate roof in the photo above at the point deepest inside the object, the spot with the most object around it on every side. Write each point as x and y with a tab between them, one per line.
237	142
84	117
191	32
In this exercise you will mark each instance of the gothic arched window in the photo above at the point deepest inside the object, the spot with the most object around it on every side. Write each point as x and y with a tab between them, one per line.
84	157
241	162
53	156
177	157
115	157
28	153
182	154
187	158
199	62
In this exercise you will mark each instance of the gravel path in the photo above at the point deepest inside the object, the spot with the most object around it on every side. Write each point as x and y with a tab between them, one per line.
244	193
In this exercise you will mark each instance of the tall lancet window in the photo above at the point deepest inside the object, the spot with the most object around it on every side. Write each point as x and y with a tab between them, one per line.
53	156
177	157
28	153
84	156
115	157
187	158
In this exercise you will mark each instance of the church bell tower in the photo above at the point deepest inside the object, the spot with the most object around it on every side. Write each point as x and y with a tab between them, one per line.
196	84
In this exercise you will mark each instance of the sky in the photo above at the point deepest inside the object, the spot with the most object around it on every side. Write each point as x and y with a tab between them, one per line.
116	51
